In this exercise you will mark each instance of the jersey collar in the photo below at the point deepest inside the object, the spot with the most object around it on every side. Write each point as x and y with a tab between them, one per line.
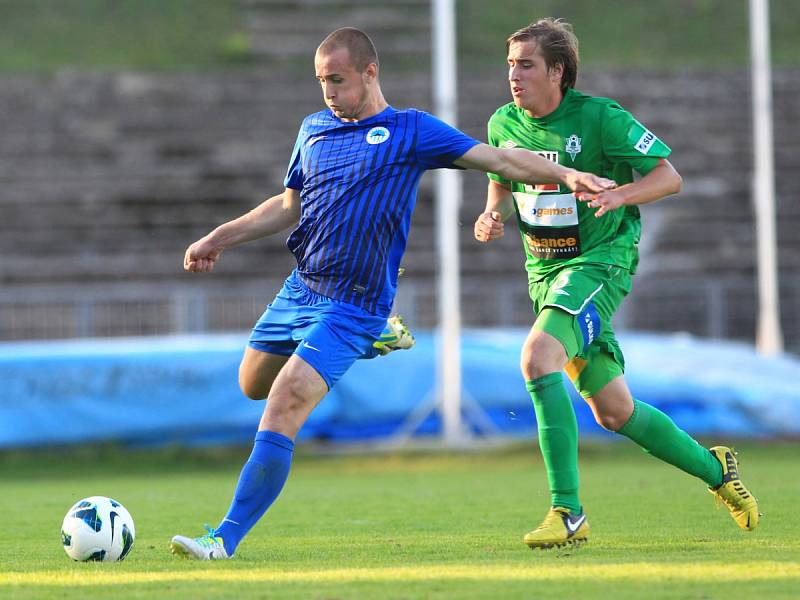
389	110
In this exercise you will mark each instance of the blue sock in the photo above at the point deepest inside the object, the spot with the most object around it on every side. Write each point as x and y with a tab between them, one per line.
261	481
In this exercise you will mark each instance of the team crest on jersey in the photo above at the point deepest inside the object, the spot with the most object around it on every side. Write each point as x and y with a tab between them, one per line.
377	135
573	146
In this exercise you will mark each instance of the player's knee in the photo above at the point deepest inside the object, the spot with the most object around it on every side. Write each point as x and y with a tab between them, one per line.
610	421
252	389
539	358
290	394
286	411
532	369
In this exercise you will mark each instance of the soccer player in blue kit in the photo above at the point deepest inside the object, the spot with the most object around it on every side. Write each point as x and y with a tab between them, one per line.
349	192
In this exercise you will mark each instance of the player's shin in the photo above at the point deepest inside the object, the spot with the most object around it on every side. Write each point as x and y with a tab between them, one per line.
657	434
558	438
260	483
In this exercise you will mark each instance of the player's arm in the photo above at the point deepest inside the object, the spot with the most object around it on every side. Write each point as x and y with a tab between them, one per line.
663	180
524	166
271	216
499	207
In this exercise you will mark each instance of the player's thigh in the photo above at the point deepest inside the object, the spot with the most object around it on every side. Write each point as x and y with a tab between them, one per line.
576	305
257	372
296	391
548	345
601	363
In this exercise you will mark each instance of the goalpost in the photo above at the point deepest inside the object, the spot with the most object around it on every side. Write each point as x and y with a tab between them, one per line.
448	201
769	339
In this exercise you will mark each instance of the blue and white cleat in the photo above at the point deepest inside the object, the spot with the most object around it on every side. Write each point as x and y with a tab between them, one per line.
205	547
395	336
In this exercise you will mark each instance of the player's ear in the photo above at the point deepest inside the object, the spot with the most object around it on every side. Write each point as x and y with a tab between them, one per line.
556	72
371	72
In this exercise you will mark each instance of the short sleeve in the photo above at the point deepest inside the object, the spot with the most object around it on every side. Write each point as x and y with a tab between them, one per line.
494	140
294	175
626	140
439	144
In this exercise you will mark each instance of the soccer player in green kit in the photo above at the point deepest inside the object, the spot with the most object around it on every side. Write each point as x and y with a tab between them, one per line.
580	256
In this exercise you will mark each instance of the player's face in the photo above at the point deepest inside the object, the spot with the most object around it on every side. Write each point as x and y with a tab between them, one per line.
533	85
345	90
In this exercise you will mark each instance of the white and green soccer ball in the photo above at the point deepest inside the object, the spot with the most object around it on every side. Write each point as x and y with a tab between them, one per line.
97	528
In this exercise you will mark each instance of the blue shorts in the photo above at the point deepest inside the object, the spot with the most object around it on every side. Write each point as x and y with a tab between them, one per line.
328	334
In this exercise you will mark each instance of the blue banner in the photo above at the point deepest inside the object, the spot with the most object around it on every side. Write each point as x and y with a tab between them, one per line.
184	390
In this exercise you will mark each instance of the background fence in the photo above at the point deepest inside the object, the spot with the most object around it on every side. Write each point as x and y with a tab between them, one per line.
710	308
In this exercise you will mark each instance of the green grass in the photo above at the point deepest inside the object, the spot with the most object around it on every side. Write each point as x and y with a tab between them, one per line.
45	35
406	526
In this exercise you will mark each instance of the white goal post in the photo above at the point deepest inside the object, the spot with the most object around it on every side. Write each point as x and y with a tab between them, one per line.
448	201
769	338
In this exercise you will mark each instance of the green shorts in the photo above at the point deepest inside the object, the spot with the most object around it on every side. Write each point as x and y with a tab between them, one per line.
586	296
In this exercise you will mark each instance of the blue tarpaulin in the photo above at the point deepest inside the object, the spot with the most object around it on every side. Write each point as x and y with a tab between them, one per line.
184	390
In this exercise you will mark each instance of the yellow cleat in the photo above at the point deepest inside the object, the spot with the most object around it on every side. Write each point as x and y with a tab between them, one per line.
395	336
731	492
559	528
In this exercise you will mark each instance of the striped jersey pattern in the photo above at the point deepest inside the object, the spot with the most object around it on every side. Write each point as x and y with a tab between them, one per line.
358	186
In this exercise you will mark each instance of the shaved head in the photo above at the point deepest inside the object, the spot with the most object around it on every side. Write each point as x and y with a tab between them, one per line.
360	48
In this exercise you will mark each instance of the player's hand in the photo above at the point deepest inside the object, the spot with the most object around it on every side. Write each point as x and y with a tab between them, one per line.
578	181
604	202
201	256
489	226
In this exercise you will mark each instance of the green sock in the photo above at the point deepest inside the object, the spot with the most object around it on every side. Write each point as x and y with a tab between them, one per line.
657	434
558	438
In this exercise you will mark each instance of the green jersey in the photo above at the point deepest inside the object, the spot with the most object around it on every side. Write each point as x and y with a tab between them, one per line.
588	134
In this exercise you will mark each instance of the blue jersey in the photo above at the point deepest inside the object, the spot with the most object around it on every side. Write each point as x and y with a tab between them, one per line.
358	187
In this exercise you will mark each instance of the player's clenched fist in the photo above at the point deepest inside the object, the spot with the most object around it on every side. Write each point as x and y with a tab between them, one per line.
489	226
201	256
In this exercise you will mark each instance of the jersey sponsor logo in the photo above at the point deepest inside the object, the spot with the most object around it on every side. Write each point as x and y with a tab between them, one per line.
573	146
553	242
377	135
645	142
550	224
547	210
508	144
552	156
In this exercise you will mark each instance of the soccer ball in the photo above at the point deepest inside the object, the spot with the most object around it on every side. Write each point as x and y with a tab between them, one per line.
97	528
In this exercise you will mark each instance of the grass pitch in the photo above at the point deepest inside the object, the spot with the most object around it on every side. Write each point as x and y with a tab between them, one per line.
415	525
